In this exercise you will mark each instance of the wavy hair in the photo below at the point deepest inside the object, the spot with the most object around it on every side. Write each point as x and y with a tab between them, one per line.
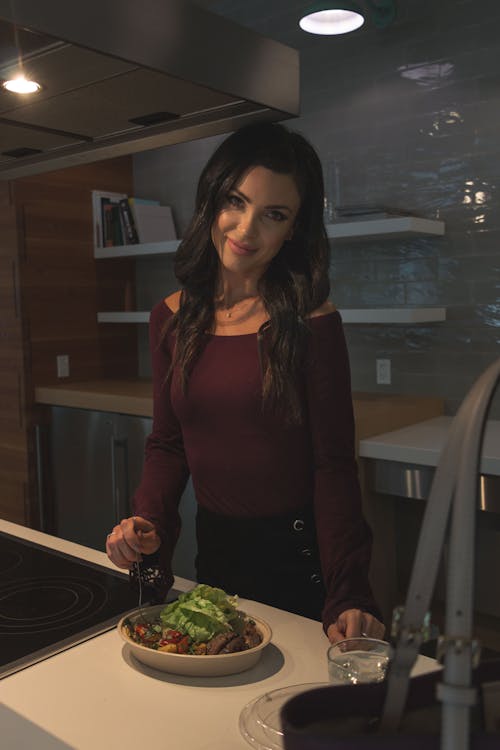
294	284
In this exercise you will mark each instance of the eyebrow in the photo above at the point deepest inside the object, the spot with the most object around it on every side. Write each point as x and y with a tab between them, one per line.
273	206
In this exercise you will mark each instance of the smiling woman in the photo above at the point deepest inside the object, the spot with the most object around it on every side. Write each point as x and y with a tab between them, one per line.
256	219
252	397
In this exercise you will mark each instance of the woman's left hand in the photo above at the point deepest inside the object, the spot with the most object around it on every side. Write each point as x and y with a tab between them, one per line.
354	623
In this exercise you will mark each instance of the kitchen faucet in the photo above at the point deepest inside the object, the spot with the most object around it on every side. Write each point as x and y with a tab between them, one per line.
454	491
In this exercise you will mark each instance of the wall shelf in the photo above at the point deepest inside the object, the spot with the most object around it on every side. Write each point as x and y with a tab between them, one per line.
394	226
365	315
389	315
123	317
146	250
398	226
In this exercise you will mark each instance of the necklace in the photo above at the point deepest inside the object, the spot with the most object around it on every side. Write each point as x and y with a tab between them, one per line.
230	310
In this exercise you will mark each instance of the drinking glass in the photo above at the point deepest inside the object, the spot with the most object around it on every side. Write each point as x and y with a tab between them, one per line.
358	660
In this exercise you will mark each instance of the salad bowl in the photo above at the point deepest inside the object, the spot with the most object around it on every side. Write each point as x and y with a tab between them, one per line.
191	665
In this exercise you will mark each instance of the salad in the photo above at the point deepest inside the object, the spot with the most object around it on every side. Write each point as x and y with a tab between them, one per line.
205	620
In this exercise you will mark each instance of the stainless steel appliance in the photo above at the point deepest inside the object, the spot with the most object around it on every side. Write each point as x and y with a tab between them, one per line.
96	464
50	601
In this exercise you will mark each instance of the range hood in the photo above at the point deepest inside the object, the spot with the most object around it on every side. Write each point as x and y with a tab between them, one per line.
122	76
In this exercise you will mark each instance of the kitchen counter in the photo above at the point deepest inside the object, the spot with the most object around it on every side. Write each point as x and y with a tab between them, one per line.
134	396
95	696
422	443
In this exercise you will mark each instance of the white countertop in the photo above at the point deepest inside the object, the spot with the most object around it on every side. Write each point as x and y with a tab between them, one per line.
96	696
423	442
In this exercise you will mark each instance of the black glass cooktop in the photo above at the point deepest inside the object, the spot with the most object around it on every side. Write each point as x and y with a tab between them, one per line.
50	601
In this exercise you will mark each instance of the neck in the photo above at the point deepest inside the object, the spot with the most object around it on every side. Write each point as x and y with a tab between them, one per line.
238	303
232	294
234	285
234	299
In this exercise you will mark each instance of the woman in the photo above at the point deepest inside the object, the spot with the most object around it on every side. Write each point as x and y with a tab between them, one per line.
252	397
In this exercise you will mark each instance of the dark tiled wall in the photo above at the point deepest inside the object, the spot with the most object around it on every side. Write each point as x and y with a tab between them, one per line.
408	118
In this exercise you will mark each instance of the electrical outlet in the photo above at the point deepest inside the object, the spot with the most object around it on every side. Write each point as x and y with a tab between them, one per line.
383	371
62	361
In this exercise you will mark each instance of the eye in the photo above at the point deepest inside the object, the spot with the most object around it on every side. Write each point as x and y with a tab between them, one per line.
276	216
234	200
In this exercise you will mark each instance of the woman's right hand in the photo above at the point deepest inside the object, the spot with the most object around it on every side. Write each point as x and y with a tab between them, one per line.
130	539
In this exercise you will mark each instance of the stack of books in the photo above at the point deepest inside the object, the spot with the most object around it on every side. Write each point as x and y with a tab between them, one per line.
122	220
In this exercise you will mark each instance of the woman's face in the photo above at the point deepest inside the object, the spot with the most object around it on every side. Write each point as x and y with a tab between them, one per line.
256	218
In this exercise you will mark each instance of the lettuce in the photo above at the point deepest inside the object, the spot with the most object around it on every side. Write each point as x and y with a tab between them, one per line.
202	613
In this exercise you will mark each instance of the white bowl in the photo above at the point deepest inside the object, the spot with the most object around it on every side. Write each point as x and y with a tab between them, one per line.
192	664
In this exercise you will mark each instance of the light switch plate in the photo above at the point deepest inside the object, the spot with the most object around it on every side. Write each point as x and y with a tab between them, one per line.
383	371
62	361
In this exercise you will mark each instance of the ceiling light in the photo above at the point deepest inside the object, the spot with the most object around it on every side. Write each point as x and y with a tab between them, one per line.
332	18
21	85
342	16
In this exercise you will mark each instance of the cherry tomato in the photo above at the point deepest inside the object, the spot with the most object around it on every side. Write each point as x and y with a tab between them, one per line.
183	645
172	636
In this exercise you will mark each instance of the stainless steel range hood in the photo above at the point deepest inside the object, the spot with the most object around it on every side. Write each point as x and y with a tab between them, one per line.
121	76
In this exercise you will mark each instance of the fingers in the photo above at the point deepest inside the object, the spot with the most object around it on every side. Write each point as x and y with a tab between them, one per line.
354	623
129	539
334	634
347	625
122	544
372	627
148	540
140	524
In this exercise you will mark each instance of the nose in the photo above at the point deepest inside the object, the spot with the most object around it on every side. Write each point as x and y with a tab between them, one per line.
247	226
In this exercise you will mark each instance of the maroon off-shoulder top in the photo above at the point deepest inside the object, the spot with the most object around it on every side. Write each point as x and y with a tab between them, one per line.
246	463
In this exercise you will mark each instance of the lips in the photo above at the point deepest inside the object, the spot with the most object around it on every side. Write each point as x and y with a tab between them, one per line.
240	249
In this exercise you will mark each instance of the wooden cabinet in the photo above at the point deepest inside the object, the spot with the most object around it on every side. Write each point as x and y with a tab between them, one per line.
49	297
14	380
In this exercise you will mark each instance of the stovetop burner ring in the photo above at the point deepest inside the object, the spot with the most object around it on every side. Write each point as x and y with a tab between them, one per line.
60	601
34	605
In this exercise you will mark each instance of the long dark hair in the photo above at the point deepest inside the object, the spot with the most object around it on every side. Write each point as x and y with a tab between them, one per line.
294	284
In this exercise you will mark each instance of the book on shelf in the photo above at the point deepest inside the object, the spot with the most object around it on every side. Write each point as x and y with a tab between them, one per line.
107	222
123	220
154	223
131	236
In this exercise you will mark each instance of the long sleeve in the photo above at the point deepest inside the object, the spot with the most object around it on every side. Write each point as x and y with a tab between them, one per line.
165	471
343	535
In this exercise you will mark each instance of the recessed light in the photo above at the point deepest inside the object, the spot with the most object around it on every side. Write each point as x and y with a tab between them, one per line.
332	18
21	85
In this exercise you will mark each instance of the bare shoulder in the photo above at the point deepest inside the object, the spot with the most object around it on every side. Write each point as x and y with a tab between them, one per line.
325	309
173	301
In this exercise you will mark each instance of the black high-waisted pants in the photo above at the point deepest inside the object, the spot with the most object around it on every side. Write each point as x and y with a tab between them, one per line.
273	560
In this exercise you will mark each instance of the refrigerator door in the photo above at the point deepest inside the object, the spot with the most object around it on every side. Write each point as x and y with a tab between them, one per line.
97	459
97	462
127	459
80	451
